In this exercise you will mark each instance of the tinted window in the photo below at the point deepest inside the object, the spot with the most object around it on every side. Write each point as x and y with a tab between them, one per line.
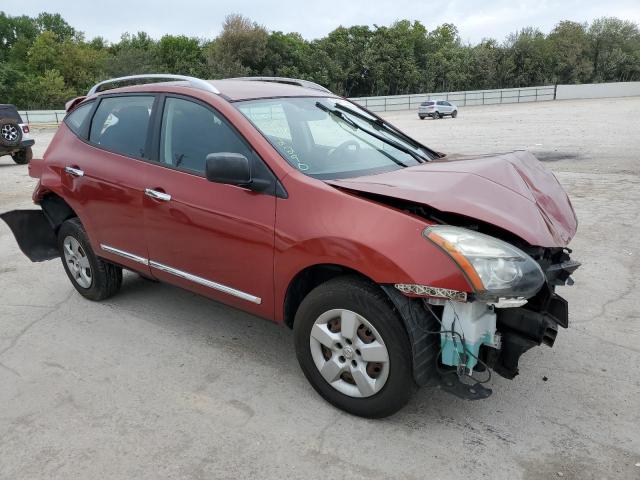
191	131
77	117
440	103
120	124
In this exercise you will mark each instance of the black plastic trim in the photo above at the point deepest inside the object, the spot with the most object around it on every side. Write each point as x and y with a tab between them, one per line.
425	347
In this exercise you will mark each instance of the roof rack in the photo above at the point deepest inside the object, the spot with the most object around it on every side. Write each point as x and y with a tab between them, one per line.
193	81
290	81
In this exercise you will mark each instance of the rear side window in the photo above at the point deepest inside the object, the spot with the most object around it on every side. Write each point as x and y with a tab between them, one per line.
120	124
76	119
427	104
191	131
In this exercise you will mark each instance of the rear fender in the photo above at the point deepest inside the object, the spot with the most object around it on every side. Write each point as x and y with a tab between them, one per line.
34	234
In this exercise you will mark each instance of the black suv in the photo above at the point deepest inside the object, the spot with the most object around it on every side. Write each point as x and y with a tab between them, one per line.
14	135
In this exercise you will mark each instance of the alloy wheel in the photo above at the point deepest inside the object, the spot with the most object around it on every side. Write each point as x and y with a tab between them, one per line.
77	261
9	132
349	353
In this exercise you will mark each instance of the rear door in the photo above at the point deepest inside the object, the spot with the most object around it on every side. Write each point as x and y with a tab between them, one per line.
106	176
215	239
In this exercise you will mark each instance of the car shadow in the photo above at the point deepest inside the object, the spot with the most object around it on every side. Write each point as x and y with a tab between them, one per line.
188	314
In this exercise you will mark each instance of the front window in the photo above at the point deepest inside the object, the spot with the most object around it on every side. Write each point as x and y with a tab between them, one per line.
330	138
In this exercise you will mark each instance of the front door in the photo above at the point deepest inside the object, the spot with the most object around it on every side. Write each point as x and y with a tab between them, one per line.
211	238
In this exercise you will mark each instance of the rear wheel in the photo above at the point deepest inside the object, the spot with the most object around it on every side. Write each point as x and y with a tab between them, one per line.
421	117
91	276
454	114
353	348
23	156
437	116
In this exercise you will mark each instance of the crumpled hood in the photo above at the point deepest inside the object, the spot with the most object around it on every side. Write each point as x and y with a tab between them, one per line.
513	191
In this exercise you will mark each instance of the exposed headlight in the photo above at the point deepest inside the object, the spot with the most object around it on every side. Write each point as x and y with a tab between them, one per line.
495	268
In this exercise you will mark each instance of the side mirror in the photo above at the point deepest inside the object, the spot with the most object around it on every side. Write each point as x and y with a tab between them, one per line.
234	169
229	168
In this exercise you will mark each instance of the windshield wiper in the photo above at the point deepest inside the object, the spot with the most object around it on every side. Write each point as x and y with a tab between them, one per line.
387	126
347	120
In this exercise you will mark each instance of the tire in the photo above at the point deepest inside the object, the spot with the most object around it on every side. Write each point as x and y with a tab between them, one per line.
421	117
91	276
23	157
350	300
437	116
454	114
10	133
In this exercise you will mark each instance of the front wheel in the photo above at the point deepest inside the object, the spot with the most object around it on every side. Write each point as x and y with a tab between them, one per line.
23	157
454	114
91	276
353	348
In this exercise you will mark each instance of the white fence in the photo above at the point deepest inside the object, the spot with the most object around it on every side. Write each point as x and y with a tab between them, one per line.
599	90
42	116
461	99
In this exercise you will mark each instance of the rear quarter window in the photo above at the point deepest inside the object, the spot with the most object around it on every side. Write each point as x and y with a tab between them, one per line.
78	118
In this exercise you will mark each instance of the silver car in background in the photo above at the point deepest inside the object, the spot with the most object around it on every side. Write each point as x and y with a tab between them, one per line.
437	109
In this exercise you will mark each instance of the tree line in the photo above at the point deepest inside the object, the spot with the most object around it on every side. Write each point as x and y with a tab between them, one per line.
44	61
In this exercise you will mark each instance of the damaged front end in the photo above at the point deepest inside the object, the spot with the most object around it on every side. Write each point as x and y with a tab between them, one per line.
513	308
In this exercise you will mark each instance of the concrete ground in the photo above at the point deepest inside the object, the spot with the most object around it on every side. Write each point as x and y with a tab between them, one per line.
160	383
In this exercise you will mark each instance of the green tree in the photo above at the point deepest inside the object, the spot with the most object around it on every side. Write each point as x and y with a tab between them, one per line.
53	22
615	50
570	52
133	54
528	58
180	54
43	91
239	50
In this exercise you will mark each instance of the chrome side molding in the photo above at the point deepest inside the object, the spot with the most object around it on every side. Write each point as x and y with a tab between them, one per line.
122	253
207	283
185	275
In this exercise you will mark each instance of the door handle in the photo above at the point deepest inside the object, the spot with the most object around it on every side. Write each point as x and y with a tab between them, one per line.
76	172
165	197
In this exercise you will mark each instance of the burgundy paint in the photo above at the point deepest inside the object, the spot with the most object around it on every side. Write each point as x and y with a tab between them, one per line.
513	191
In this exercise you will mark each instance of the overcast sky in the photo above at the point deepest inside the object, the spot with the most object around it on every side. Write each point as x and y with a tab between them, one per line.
475	19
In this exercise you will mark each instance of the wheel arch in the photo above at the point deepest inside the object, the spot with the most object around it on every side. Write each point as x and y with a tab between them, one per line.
56	210
418	323
309	278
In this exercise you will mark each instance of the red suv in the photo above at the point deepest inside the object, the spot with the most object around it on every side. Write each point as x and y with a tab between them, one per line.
394	265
